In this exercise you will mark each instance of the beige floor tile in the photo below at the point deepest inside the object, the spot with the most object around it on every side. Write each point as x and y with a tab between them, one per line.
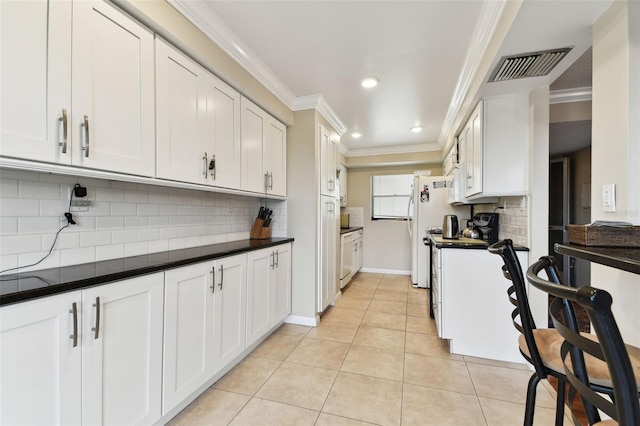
351	316
319	353
383	338
365	398
496	363
377	305
418	296
393	287
374	362
437	373
334	331
505	413
418	310
423	406
325	419
261	412
366	284
384	320
277	346
300	385
506	384
293	329
350	302
421	325
360	294
248	376
390	296
213	407
368	275
426	344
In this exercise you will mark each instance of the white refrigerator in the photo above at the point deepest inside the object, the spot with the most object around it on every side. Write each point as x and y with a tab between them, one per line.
427	207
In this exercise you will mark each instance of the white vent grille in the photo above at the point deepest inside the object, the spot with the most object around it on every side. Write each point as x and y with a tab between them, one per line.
534	64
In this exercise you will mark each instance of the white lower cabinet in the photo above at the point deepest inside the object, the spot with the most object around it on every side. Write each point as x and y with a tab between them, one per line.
204	324
90	357
268	290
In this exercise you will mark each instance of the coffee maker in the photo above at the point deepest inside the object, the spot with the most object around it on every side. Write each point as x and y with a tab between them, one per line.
488	225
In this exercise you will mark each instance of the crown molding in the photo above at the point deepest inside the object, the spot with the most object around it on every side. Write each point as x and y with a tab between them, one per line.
577	94
207	21
403	149
319	103
487	22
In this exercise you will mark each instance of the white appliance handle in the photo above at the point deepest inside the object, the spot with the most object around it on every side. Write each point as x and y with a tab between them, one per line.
409	216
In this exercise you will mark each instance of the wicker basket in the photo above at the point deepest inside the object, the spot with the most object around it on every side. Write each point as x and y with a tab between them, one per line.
604	236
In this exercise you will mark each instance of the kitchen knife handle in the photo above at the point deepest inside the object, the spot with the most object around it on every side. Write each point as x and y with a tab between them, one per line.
206	164
96	329
65	122
85	124
74	311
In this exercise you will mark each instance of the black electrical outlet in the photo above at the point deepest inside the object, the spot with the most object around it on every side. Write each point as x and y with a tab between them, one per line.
79	191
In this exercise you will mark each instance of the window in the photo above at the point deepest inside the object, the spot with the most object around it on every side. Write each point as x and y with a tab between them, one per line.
390	196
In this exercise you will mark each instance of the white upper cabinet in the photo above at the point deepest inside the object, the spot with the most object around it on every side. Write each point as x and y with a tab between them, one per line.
275	153
35	80
328	152
343	185
181	107
113	117
263	151
496	143
223	134
109	55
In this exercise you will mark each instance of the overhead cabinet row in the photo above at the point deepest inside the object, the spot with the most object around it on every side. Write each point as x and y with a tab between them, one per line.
135	104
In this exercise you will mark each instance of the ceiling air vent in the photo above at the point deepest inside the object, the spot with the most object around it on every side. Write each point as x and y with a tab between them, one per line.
534	64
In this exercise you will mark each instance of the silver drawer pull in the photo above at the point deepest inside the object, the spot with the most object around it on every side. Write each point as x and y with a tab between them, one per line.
85	124
74	336
96	329
65	137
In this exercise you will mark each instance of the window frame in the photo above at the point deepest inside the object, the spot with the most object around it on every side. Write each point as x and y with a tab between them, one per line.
404	197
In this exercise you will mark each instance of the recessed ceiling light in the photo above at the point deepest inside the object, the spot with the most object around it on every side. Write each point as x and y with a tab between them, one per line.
356	135
369	82
416	129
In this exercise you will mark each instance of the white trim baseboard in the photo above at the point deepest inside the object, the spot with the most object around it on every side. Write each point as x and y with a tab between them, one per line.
386	271
300	320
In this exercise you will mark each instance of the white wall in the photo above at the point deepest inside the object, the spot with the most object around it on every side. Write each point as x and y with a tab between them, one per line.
124	219
385	243
616	145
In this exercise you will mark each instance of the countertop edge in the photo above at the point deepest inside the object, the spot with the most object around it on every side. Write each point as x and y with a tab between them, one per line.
453	244
614	257
82	283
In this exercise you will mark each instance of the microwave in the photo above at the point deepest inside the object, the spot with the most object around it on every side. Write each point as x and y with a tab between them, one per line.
454	194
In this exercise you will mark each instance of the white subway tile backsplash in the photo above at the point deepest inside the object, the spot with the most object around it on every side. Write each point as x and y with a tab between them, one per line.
39	190
124	219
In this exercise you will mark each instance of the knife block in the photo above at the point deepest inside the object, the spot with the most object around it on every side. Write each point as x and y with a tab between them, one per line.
259	231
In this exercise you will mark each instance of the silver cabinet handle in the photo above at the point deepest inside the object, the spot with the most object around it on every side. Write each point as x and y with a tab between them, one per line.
266	181
213	279
212	166
85	124
206	163
273	260
221	276
96	329
277	259
74	311
64	120
271	180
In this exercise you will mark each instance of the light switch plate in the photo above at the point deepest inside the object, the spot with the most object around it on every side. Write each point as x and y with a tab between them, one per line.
609	198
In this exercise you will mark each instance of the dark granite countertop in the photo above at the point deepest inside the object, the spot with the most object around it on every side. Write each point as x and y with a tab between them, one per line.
46	282
623	258
352	229
461	243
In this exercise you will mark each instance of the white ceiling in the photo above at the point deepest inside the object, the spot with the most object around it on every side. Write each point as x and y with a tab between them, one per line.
418	49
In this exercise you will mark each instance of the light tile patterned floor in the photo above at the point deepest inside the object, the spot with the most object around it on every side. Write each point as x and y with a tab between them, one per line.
375	358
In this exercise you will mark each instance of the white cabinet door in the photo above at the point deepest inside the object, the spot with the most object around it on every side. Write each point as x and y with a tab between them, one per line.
275	161
223	134
343	186
259	266
35	77
329	283
181	108
122	352
40	365
328	154
230	309
477	130
282	284
113	117
253	129
188	332
469	160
